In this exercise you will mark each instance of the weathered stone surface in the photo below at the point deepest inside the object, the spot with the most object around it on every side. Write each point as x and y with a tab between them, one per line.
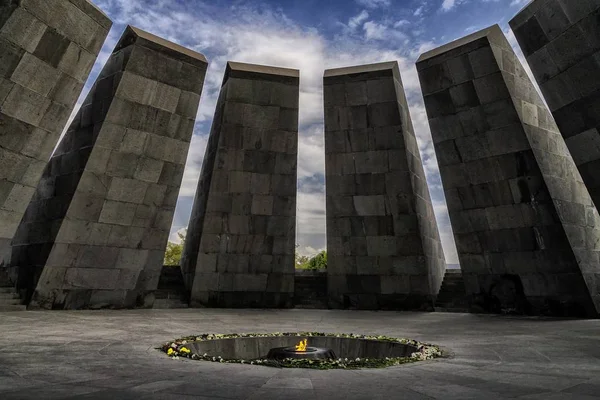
103	209
560	42
37	94
525	225
240	244
380	221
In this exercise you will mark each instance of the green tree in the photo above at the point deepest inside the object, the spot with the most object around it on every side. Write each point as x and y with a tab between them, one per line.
175	250
301	261
318	262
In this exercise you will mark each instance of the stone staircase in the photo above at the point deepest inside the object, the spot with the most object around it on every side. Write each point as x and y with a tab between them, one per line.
171	291
452	296
9	298
310	290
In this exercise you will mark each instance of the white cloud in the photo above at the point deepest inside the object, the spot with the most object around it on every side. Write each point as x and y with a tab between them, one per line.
374	3
523	2
357	20
374	30
401	23
448	4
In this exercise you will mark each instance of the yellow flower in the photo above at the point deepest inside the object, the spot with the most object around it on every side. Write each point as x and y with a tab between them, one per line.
185	350
170	351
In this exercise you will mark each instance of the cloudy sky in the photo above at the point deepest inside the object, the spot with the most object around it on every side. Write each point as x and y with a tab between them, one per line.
309	35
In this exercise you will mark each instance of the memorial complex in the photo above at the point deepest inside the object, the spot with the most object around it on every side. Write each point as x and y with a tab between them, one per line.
89	192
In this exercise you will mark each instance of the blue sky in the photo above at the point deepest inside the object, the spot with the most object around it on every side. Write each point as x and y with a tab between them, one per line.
309	35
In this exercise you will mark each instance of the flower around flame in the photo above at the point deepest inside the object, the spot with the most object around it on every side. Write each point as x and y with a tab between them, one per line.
302	345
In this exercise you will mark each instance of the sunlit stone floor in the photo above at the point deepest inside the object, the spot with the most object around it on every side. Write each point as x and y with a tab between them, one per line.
111	355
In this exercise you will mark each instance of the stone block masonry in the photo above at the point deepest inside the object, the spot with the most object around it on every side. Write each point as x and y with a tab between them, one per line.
525	226
561	42
384	250
47	50
240	247
95	232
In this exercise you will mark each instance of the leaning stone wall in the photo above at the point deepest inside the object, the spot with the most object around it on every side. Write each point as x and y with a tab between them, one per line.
525	227
561	41
384	250
47	50
96	231
243	225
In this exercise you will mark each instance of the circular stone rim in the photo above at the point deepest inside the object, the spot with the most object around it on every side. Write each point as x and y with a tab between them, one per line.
425	351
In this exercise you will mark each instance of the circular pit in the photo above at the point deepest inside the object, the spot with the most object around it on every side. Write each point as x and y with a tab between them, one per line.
321	350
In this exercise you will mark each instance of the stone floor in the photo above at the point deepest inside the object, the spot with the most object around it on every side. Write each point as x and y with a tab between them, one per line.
111	355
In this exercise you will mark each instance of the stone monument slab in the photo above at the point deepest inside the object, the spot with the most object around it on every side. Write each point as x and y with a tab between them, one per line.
95	232
240	247
383	245
44	63
560	42
525	226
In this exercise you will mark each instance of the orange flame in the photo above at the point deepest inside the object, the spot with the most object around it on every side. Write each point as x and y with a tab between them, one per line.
302	345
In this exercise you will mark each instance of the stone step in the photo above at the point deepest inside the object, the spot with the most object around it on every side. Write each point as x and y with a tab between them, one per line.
310	287
453	283
312	306
178	287
448	299
8	296
452	292
453	289
173	296
10	302
19	307
451	310
169	304
452	304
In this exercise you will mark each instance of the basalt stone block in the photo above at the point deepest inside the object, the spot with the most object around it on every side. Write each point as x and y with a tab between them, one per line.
566	65
244	212
39	85
379	212
103	209
522	218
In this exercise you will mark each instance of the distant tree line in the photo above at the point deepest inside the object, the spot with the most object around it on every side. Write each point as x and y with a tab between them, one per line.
315	263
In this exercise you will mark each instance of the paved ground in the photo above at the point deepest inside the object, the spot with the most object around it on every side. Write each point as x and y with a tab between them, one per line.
110	355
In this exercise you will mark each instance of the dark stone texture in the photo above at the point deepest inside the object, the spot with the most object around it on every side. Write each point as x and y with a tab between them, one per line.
40	82
567	68
95	232
384	250
526	229
240	244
